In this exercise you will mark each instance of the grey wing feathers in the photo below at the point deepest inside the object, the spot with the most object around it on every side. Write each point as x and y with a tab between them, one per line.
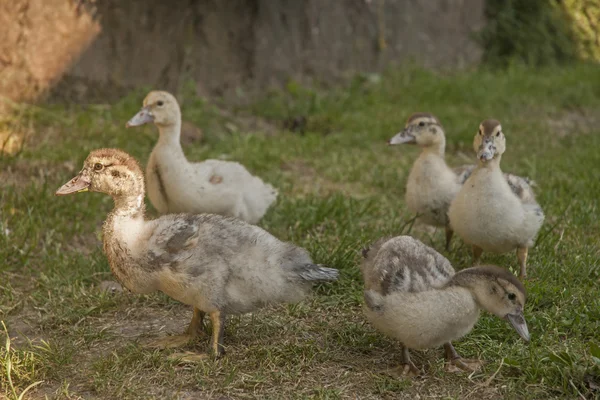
463	173
318	273
181	236
405	264
521	187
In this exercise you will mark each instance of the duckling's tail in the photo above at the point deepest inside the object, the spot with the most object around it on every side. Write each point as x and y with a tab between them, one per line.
318	273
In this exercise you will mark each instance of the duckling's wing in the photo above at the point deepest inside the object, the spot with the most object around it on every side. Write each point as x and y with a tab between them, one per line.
192	244
404	264
463	173
181	241
521	187
256	194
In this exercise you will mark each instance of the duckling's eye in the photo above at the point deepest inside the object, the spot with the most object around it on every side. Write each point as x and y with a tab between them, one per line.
498	134
512	296
159	103
421	123
98	167
480	132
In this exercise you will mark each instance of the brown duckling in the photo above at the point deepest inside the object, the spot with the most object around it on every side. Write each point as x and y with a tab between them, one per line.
219	265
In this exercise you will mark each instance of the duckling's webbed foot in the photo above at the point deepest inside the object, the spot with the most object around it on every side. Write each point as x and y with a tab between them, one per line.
195	329
406	369
170	342
456	363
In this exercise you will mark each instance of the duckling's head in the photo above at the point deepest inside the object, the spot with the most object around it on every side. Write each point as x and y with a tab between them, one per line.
489	142
160	107
109	171
422	129
497	291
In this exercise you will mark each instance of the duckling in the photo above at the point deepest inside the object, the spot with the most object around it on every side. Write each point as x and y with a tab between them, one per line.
413	294
491	213
219	265
212	186
432	184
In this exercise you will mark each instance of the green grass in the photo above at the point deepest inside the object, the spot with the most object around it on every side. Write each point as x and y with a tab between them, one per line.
341	188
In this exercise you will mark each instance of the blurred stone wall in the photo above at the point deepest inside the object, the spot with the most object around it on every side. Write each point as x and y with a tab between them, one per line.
39	41
222	45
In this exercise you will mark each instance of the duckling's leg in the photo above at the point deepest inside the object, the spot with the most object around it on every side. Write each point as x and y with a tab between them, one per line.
477	251
218	325
216	346
522	257
449	233
457	362
193	331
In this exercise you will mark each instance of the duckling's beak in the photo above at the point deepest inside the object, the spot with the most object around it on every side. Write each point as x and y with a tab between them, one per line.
80	183
486	150
404	137
144	116
518	322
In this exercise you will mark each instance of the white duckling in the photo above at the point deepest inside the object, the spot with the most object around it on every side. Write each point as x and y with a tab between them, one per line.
413	294
432	184
491	213
212	186
219	265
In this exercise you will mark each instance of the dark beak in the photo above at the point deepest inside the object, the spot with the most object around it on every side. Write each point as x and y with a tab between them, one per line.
144	116
518	323
77	184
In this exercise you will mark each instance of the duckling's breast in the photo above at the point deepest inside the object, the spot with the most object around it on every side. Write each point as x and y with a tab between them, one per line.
125	243
426	319
430	189
486	213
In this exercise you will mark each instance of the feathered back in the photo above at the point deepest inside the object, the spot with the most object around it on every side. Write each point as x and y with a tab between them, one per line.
521	187
405	264
463	173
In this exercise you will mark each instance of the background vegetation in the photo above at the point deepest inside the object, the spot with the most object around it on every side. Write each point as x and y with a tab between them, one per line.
341	188
539	32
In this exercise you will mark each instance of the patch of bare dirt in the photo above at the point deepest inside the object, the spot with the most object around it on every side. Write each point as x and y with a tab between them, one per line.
307	181
574	122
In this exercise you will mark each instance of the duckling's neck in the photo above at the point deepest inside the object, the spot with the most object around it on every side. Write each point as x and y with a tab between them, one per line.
123	237
469	279
170	135
437	149
494	163
129	206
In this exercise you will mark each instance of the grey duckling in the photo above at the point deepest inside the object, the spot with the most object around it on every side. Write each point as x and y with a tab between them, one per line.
413	294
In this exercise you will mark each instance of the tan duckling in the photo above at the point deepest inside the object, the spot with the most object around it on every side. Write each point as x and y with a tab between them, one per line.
432	184
491	213
413	294
212	186
219	265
